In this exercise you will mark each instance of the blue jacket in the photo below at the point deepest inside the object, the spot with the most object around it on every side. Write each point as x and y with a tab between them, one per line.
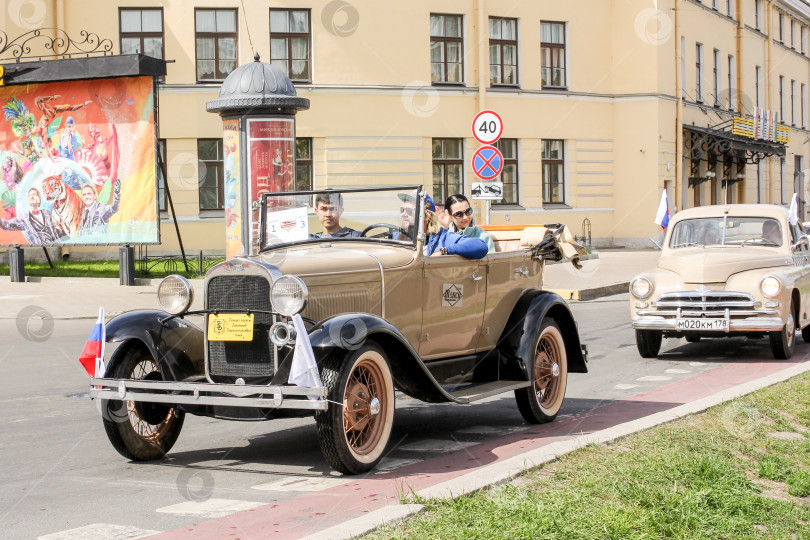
457	244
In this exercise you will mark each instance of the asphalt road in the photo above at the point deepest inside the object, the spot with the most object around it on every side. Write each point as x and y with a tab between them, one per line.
59	472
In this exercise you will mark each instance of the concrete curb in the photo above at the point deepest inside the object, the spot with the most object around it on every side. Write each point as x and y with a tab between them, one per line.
369	522
596	292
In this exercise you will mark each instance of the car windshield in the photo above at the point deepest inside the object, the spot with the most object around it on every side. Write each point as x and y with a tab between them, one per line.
727	231
387	215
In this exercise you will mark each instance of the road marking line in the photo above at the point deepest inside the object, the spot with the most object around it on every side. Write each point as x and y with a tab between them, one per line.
626	386
436	445
100	531
210	508
653	378
696	364
673	370
299	483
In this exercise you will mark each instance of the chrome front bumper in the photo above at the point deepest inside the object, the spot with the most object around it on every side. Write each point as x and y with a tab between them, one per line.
750	324
188	393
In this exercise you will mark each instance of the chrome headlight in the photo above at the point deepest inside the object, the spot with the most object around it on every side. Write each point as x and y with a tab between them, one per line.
175	294
289	295
641	287
770	286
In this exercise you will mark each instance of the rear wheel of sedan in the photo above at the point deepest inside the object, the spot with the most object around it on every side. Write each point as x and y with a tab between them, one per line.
540	402
648	342
138	430
354	431
783	341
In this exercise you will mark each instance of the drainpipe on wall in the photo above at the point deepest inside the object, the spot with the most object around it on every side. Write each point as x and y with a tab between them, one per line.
739	82
769	100
483	53
678	108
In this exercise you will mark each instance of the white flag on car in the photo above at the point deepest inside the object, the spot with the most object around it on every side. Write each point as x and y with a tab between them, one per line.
793	212
304	368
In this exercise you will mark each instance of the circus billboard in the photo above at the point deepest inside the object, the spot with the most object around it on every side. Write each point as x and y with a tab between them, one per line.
78	163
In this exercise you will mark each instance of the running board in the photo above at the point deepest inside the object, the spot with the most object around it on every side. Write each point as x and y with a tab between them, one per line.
473	392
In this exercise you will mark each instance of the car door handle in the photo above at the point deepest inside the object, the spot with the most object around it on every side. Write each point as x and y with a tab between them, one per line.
521	272
476	277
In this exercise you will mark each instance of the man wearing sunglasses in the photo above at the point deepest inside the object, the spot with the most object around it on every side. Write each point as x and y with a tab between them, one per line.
457	218
439	241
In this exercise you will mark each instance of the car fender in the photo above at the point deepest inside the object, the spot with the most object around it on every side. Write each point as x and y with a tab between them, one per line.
176	344
519	337
349	331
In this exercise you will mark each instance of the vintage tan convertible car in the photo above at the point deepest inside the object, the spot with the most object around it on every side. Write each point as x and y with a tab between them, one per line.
725	271
375	312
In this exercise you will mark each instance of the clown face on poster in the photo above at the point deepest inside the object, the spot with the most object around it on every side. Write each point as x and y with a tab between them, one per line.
78	163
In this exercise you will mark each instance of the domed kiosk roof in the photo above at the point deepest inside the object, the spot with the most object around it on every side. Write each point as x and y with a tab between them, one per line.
257	87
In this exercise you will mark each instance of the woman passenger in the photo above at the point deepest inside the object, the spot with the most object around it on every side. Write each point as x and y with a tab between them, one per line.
457	218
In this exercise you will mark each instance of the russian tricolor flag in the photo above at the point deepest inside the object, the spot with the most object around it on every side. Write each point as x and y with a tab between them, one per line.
662	216
92	357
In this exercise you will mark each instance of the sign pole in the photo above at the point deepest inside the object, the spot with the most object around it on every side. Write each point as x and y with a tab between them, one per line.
488	207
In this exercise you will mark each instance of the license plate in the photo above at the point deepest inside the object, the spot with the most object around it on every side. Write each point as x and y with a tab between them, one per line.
230	327
720	325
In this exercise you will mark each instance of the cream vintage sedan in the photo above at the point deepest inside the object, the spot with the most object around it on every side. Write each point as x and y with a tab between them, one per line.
726	271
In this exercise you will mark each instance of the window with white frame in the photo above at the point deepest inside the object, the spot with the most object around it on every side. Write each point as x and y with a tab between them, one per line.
758	14
758	85
782	27
730	8
552	51
792	102
802	99
792	34
803	39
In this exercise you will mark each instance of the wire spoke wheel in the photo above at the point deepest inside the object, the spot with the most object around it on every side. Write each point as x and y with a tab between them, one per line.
139	430
540	402
355	429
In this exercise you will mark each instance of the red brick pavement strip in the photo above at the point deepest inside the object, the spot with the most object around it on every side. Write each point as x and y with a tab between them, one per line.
311	513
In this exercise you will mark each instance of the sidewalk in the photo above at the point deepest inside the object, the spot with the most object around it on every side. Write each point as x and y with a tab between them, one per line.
80	298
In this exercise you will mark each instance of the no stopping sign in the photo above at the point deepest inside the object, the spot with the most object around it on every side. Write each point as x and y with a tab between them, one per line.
487	162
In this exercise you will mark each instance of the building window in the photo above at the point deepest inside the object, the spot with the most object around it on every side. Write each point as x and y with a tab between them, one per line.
781	98
782	182
303	163
211	181
553	171
509	176
161	173
290	39
792	34
716	77
730	8
216	43
715	4
446	49
732	92
699	73
503	59
803	40
758	85
758	14
552	51
141	31
801	102
782	27
448	169
792	102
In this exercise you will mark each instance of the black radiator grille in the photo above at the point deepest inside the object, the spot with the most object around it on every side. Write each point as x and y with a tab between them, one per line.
242	358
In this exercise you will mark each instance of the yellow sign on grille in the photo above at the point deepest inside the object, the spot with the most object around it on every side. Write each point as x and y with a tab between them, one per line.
230	327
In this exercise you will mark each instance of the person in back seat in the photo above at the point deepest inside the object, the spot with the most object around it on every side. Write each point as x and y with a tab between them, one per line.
458	217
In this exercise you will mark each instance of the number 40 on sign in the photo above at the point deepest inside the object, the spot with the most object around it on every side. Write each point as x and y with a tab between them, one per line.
487	127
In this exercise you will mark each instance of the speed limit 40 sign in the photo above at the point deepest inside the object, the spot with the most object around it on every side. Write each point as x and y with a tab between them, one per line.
487	127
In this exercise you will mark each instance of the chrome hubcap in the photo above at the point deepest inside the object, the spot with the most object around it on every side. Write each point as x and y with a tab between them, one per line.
555	370
374	407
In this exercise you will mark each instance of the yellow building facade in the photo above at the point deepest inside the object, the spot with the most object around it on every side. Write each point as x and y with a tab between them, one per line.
605	103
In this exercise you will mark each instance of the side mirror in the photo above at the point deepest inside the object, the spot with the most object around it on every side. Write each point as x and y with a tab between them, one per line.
803	244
